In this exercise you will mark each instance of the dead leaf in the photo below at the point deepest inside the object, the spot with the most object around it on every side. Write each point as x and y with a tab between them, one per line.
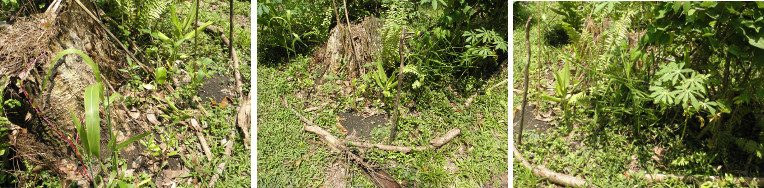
341	128
656	159
153	119
149	87
659	151
311	109
135	114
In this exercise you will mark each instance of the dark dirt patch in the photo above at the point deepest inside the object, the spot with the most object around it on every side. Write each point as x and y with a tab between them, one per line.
531	123
362	126
216	88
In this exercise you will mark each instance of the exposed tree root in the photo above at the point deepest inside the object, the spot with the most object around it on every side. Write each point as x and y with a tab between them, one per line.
243	118
749	181
569	180
472	98
378	176
543	172
202	140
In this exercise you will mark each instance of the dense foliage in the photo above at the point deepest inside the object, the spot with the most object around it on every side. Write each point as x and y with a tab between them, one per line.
682	75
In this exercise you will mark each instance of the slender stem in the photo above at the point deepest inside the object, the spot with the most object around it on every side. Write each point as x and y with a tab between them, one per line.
196	35
525	88
230	17
400	82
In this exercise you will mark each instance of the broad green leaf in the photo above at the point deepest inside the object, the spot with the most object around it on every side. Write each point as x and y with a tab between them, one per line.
635	54
550	98
610	6
161	75
93	119
200	29
599	7
736	50
750	24
161	36
190	20
756	40
708	4
174	17
131	140
691	14
114	96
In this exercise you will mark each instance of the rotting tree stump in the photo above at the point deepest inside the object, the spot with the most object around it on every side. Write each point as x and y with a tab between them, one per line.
27	49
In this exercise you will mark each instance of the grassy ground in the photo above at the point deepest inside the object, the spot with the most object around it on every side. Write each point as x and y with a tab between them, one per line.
288	156
601	153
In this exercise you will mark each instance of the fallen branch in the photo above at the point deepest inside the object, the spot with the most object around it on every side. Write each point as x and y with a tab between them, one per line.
378	176
219	171
202	140
749	181
543	172
336	145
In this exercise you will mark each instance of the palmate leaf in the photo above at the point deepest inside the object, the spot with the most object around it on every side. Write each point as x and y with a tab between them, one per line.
686	95
672	72
661	95
696	81
707	105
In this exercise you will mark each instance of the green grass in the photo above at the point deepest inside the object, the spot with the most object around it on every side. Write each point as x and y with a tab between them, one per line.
479	152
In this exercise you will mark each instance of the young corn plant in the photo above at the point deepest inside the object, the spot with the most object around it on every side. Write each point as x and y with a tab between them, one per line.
180	33
91	131
387	84
562	79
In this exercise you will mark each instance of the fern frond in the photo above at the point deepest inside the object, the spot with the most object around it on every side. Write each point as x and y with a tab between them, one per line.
154	9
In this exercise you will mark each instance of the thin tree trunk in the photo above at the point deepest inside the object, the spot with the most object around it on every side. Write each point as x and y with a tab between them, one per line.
400	82
525	88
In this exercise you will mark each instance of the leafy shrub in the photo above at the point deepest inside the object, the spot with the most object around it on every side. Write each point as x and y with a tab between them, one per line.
287	28
723	43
